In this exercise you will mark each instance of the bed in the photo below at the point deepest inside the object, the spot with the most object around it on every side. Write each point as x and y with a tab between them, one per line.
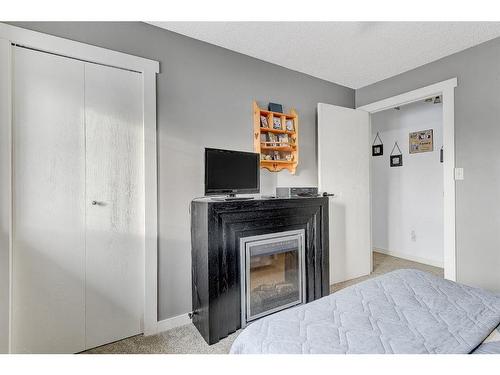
491	344
404	311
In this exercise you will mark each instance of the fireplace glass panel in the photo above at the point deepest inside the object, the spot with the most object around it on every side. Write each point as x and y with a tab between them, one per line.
274	275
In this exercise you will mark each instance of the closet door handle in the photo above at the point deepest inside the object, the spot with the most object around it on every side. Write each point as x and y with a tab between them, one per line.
94	203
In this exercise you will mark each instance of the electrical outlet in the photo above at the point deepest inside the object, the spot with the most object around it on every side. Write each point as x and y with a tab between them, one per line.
413	236
459	173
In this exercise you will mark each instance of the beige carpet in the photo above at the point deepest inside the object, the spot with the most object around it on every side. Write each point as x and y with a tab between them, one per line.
385	263
180	340
187	340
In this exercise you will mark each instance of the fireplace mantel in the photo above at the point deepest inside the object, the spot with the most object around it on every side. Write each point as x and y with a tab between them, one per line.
216	230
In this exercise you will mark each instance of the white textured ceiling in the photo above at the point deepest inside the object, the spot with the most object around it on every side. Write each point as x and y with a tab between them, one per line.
353	54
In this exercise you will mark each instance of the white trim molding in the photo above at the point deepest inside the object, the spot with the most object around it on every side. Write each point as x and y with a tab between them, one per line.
447	90
151	207
11	35
5	193
410	96
413	258
76	50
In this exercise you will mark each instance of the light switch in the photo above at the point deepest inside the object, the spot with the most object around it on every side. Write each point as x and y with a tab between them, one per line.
459	173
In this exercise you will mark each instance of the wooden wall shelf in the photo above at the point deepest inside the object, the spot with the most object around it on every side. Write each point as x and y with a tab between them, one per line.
277	131
277	148
277	143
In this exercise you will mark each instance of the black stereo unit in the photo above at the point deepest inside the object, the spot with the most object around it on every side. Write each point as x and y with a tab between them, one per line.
289	192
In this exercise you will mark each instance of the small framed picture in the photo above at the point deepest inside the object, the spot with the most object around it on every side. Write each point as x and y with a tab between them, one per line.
396	160
377	150
289	125
277	155
277	123
263	122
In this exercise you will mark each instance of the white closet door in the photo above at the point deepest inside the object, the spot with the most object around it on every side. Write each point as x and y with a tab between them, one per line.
48	204
114	204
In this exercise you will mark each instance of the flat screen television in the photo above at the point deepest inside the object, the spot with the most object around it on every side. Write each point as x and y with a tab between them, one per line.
231	172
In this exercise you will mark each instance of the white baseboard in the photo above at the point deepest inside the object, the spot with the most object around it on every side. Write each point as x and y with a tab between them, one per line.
413	258
334	281
176	321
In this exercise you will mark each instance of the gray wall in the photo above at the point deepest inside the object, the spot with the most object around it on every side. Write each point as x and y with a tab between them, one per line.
477	150
205	96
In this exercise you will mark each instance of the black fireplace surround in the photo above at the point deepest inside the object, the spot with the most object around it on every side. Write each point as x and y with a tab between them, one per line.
216	230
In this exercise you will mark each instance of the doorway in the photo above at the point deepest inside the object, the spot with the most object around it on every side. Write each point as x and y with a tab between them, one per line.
446	91
344	171
407	183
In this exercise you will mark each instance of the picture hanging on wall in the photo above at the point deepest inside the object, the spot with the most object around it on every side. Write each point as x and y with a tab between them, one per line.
396	159
421	141
377	149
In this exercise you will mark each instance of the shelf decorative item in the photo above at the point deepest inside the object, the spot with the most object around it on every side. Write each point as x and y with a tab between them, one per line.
272	138
283	138
263	122
274	107
278	142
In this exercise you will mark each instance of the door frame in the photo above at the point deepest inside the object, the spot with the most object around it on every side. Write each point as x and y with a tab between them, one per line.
447	91
12	35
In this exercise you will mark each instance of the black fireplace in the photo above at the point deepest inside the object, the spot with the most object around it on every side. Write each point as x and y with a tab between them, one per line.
254	258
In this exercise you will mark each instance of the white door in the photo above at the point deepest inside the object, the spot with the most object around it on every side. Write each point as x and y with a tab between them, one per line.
114	204
344	151
77	266
48	264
